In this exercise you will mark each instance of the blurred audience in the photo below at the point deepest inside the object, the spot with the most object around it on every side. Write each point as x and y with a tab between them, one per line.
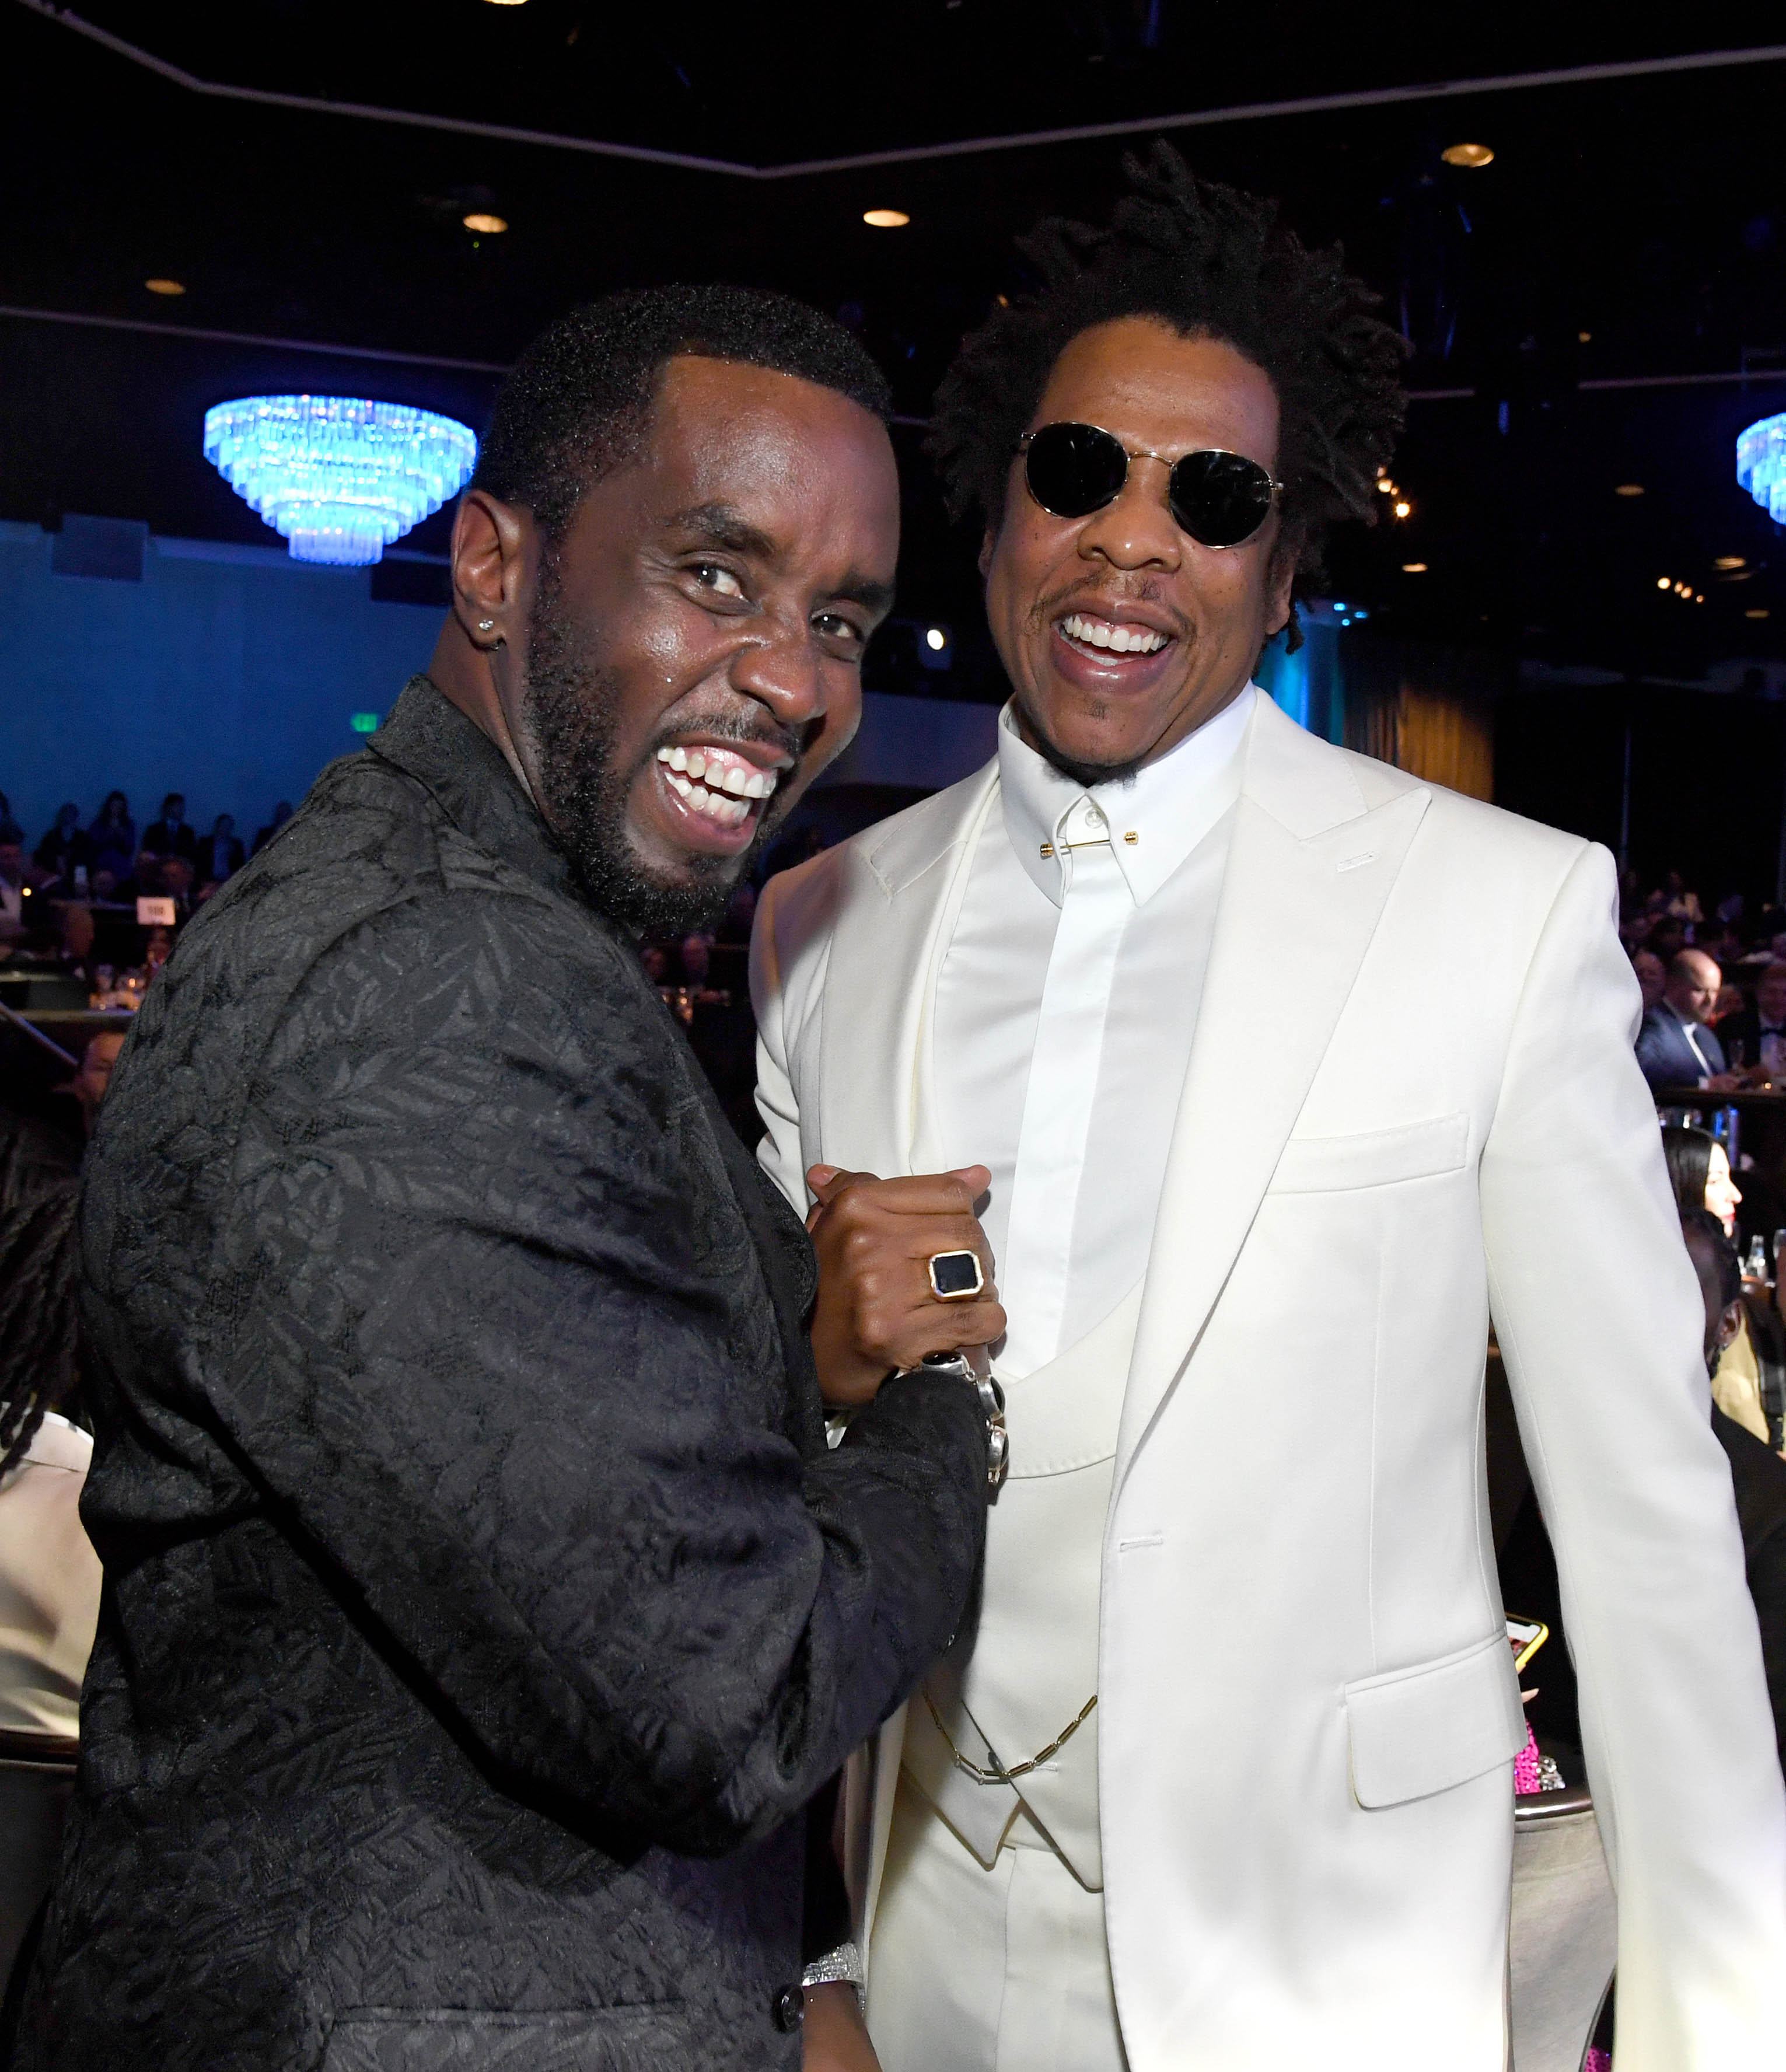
170	835
280	814
1757	1035
1757	1474
1675	1045
114	834
12	919
1651	977
65	849
221	855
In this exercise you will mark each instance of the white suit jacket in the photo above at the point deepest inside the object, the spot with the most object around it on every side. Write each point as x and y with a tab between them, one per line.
1411	1103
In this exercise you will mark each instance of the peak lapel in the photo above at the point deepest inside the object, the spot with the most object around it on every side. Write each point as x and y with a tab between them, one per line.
902	888
1309	871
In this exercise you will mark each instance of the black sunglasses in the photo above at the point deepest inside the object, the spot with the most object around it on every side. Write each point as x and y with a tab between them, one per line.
1220	498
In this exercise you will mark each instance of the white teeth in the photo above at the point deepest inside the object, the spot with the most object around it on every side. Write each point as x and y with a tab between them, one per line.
696	764
1121	640
759	786
736	780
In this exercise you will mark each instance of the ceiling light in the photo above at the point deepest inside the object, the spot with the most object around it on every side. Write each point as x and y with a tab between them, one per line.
486	225
1413	568
1467	154
885	218
1664	583
1757	611
1386	485
508	3
1629	489
338	477
1402	510
935	640
161	285
1584	338
1761	464
1729	561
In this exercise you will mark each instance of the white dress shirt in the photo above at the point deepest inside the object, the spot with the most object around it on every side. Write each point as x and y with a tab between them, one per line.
1065	1003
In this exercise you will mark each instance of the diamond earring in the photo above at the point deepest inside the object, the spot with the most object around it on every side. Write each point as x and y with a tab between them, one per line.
484	625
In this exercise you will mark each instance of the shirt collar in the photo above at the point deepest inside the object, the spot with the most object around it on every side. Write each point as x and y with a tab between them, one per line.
1166	807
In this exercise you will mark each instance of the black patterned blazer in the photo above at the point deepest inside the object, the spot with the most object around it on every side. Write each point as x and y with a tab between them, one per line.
480	1601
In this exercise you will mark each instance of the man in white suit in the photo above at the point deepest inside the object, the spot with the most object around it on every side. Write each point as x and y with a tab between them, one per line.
1150	968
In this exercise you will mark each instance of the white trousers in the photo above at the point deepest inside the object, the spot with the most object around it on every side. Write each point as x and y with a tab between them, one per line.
973	1970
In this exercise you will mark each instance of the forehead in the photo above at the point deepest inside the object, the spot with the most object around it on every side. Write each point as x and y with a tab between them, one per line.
1138	378
796	460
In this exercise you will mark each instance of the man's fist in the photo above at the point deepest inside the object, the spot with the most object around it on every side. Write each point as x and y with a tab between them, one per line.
875	1239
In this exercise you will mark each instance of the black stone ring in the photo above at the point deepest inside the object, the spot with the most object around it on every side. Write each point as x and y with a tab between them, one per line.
955	1276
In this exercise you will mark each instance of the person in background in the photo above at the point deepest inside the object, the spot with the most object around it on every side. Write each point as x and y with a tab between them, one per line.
65	849
170	835
1758	1474
13	918
77	940
1676	1046
280	814
1651	977
176	874
89	1086
221	852
144	881
49	1574
1679	903
114	837
1759	1029
1700	1175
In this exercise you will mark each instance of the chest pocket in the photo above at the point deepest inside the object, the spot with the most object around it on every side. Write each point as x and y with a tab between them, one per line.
1373	1157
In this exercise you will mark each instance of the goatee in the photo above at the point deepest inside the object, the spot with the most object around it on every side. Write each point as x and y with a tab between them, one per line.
570	715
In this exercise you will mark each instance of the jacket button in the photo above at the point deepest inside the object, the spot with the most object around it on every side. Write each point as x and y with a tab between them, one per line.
788	2009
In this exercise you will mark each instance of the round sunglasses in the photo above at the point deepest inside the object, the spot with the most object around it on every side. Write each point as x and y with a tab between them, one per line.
1220	498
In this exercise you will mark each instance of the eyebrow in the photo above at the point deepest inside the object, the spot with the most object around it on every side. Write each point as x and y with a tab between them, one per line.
724	525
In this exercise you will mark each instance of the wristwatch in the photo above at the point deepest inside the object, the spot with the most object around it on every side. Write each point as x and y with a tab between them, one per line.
973	1367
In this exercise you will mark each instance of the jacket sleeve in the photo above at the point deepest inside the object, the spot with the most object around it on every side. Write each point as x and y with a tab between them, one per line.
478	1336
1599	1321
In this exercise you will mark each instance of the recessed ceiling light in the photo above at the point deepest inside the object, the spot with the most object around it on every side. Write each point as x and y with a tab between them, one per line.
1413	568
1629	489
1402	510
486	225
1584	338
885	218
508	3
1467	154
1757	611
1385	484
160	285
1729	561
1664	583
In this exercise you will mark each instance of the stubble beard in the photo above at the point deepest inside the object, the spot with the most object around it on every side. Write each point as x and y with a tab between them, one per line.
585	793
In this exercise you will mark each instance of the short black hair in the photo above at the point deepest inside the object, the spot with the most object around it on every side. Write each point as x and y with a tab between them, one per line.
579	399
1212	262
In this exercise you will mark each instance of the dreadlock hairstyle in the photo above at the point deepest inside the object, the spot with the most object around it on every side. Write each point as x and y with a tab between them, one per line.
1211	262
40	1249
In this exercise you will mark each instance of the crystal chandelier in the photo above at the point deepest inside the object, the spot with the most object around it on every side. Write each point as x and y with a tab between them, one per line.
337	477
1761	465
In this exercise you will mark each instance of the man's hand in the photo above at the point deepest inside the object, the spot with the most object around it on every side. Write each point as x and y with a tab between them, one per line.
1725	1083
834	2038
875	1239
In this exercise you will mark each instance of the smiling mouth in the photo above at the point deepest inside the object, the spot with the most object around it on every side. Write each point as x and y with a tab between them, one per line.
1101	638
720	786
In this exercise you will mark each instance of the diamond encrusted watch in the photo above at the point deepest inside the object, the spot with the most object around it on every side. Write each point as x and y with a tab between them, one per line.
974	1367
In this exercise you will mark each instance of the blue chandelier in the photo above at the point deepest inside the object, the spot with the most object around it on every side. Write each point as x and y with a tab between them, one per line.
1761	465
338	477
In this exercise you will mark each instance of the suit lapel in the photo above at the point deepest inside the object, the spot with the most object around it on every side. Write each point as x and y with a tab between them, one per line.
1309	870
901	893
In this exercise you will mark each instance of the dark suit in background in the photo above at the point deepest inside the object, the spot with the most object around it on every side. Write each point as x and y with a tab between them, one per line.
159	839
482	1601
1669	1056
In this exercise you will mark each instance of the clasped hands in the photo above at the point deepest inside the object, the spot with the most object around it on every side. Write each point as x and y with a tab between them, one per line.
874	1238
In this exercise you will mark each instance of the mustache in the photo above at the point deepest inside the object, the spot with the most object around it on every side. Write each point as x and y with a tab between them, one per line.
736	730
1052	603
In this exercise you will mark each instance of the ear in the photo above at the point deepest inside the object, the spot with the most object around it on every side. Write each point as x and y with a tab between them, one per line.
1280	578
491	541
1729	1325
985	546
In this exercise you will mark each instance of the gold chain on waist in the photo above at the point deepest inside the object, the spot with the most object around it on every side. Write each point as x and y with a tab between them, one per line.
998	1774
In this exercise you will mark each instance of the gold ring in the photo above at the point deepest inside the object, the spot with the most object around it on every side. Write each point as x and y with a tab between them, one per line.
955	1276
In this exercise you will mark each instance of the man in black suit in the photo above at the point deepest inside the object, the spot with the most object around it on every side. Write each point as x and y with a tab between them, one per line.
220	854
483	1601
1675	1045
1751	1026
170	835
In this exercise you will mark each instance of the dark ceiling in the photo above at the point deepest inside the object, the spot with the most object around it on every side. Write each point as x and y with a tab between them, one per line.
1647	211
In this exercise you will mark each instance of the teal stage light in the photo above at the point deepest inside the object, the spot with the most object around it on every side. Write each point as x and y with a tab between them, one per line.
1761	465
337	477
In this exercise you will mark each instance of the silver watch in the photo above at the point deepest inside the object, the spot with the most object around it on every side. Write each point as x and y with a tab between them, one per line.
973	1367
